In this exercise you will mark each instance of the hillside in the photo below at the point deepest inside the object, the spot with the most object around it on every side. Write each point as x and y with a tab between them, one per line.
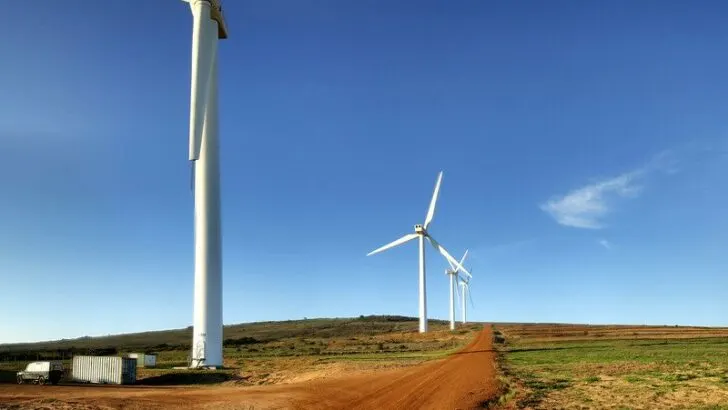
264	352
233	335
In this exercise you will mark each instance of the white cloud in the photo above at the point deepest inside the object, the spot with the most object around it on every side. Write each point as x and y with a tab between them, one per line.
605	243
587	206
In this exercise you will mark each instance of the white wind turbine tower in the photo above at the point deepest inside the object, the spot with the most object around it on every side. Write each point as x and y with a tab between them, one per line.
421	233
208	26
465	284
452	272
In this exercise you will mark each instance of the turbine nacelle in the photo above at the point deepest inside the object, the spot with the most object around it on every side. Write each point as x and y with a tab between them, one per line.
420	230
215	14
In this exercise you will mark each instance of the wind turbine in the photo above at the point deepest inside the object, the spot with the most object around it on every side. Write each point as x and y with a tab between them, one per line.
421	233
465	283
454	277
208	25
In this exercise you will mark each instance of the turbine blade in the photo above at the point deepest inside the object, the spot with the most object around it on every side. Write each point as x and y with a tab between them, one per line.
461	262
457	288
431	210
204	51
392	244
470	296
464	255
447	255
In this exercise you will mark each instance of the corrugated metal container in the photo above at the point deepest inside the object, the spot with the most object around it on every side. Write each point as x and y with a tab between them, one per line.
143	359
104	369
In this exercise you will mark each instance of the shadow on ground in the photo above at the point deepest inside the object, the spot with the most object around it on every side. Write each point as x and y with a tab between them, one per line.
7	376
476	351
181	378
168	379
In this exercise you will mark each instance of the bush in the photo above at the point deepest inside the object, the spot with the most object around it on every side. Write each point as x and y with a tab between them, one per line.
240	341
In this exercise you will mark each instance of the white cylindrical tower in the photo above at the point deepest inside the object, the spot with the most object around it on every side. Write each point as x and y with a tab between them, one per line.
423	287
465	311
452	300
207	336
208	26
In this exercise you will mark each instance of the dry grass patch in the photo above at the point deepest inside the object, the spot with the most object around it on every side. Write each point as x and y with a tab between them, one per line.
614	393
320	354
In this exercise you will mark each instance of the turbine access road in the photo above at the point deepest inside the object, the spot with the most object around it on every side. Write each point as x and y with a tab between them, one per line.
463	380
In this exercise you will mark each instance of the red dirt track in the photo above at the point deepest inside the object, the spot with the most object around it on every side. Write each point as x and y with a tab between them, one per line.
461	381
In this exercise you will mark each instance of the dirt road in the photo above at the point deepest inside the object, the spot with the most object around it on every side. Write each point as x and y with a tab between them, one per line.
461	381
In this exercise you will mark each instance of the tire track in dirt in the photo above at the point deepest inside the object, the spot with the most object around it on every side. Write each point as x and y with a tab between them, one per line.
463	380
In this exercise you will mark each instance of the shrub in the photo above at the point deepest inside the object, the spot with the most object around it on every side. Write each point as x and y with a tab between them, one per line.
241	341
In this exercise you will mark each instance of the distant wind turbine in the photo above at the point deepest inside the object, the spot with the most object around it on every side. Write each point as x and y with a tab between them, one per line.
421	233
208	26
465	284
452	272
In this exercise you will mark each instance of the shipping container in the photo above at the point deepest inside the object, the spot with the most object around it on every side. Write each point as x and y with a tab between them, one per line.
144	359
104	369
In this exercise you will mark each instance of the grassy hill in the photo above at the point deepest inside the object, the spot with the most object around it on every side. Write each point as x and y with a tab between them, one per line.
264	352
233	335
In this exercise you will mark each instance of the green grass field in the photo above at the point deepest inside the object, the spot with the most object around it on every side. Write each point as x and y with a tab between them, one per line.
628	370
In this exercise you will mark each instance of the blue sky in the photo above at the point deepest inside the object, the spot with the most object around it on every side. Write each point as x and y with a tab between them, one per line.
584	146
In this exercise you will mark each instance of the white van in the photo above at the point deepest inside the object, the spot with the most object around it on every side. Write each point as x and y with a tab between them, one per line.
41	372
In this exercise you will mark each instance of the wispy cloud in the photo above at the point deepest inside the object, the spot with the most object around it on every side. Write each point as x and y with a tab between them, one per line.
587	206
605	243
